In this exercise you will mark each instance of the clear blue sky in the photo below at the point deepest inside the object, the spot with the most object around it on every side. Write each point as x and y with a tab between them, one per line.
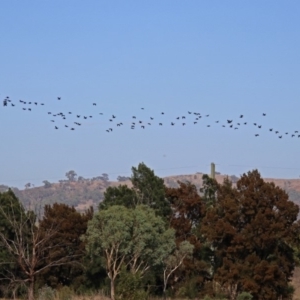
222	58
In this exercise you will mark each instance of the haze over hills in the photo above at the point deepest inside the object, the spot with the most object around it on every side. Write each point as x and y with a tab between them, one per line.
83	193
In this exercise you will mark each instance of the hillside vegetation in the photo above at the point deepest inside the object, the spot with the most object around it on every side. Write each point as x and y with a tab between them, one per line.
83	193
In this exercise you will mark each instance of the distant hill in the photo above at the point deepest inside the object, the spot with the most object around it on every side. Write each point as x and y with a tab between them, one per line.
90	192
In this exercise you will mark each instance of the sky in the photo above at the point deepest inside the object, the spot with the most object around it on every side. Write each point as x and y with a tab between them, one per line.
218	58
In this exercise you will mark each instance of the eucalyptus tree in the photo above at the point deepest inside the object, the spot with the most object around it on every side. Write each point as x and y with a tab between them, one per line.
136	239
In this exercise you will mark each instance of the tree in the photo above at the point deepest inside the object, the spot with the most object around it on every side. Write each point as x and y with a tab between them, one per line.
252	229
9	269
70	226
47	184
188	211
104	177
108	234
71	175
27	246
151	241
120	195
147	189
175	260
208	190
134	238
27	185
123	178
81	179
150	190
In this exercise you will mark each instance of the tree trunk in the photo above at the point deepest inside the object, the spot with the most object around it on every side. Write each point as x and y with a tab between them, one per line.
112	289
165	290
31	289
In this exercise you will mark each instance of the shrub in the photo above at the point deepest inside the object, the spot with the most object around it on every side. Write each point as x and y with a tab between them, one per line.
244	296
46	293
65	293
130	287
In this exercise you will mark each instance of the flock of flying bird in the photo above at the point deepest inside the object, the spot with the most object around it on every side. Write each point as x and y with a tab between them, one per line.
135	122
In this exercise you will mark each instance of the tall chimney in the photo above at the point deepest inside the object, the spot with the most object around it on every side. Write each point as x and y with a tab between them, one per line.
212	170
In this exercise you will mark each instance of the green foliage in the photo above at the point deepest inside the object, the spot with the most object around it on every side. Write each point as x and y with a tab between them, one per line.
12	213
244	296
208	190
135	237
189	289
138	233
150	190
130	286
151	242
120	195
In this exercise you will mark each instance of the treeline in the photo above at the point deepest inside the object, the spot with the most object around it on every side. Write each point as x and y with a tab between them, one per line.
231	242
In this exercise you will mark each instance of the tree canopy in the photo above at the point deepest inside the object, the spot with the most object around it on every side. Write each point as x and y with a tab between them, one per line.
150	189
232	240
136	238
65	244
252	228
